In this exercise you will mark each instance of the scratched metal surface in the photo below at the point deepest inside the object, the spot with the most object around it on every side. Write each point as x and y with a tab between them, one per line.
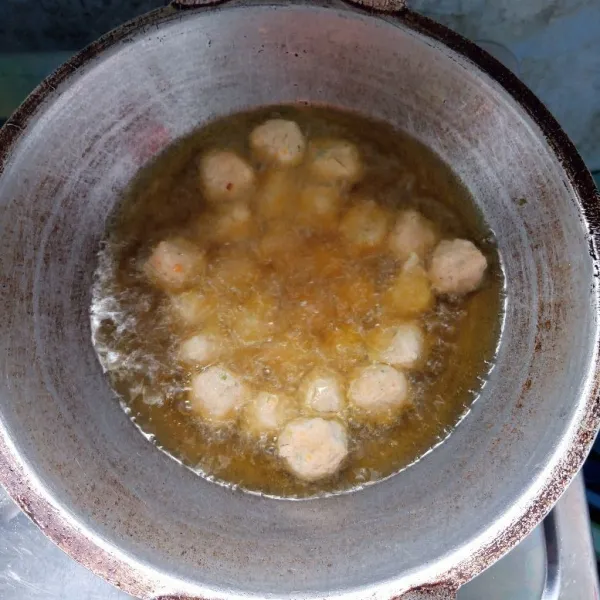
555	562
79	154
37	408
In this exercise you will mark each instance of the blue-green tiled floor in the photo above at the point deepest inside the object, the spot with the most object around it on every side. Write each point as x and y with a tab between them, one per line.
21	72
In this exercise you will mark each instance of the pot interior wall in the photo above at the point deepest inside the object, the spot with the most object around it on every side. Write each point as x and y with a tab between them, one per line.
61	182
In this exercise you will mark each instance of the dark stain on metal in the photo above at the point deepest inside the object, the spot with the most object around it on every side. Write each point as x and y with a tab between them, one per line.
177	597
380	6
191	4
439	591
64	534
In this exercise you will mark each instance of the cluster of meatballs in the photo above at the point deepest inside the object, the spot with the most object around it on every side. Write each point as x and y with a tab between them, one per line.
289	261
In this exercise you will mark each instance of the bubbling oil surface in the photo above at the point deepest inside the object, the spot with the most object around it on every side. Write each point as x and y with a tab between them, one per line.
325	297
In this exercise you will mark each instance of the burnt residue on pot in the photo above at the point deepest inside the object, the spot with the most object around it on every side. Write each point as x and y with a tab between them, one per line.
383	6
560	478
65	534
439	591
185	4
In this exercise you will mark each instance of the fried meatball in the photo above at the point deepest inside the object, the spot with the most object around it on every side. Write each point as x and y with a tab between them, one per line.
226	176
175	264
279	246
253	322
365	226
234	224
335	161
322	391
217	394
412	234
457	267
200	349
319	207
266	414
193	307
400	346
409	294
276	195
378	389
278	141
313	448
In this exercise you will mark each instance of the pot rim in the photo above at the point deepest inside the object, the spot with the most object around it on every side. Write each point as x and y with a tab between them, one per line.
75	539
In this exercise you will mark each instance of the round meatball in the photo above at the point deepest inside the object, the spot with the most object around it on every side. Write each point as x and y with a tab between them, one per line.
193	307
280	246
175	264
278	141
226	176
313	448
234	274
234	224
365	226
345	344
266	414
400	346
276	195
410	293
217	394
322	391
379	389
199	349
336	161
254	321
412	234
457	267
319	207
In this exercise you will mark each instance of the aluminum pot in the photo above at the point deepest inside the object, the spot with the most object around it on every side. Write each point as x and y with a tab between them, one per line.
69	455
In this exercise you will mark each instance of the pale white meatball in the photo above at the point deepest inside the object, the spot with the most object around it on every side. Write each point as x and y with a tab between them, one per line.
457	267
365	226
200	349
412	234
253	322
193	307
217	394
322	391
175	264
334	161
278	141
233	273
266	414
250	328
399	346
279	245
319	207
277	194
379	389
313	448
226	176
234	224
